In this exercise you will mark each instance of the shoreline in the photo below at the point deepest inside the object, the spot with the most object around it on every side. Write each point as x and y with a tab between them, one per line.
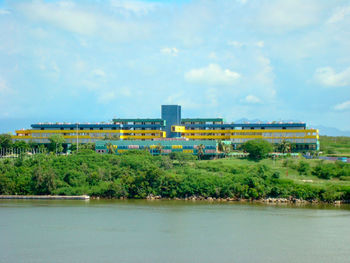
242	200
46	197
268	200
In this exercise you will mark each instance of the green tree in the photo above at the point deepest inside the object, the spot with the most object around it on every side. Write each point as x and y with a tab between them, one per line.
42	148
258	149
43	180
114	137
33	145
56	141
5	140
181	157
21	145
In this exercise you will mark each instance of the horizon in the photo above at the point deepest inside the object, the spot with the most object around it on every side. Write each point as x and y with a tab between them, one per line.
87	61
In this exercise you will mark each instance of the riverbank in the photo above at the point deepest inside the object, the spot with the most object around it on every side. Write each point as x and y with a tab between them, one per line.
268	200
46	197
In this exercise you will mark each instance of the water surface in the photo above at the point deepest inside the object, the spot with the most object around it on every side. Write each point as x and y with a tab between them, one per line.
171	231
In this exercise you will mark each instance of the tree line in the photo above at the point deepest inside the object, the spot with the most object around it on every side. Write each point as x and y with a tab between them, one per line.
138	174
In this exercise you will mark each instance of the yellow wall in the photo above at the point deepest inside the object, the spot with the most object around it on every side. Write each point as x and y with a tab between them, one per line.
89	134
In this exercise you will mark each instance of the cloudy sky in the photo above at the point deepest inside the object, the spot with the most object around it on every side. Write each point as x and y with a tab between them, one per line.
95	60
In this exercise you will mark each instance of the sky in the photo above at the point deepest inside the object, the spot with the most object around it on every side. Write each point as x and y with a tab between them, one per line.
91	61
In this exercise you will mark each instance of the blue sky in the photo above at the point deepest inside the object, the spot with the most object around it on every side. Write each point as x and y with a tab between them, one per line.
95	60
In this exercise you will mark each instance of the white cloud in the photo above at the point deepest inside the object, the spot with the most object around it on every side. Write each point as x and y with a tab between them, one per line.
289	15
125	92
266	75
99	73
63	16
212	55
212	96
82	20
181	98
343	106
339	15
328	77
7	97
252	99
3	87
79	65
106	97
137	7
213	74
4	12
170	51
260	44
236	44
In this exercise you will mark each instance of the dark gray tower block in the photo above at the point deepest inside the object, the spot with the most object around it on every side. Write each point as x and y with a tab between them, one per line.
172	115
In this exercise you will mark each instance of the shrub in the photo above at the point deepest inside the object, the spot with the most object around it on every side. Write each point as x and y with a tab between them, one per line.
258	149
276	175
324	171
303	168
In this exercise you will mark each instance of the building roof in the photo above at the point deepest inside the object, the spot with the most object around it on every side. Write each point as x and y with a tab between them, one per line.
138	120
246	125
202	120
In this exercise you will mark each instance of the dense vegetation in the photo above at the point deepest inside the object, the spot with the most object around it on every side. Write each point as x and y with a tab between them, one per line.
337	146
139	174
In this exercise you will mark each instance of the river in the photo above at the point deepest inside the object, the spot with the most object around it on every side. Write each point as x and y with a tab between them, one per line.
171	231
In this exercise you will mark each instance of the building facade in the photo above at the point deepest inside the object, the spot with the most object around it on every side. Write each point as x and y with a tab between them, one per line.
156	147
171	125
237	133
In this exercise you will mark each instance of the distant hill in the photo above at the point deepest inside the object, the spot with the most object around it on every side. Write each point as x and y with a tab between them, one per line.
330	131
323	130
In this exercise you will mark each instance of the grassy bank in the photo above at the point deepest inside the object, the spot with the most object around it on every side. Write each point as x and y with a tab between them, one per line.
138	175
335	146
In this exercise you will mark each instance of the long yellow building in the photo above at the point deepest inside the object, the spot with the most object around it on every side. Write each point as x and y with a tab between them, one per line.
171	125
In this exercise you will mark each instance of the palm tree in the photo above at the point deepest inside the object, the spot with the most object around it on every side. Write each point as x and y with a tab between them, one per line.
221	146
159	148
110	148
147	148
200	151
227	149
114	137
284	146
